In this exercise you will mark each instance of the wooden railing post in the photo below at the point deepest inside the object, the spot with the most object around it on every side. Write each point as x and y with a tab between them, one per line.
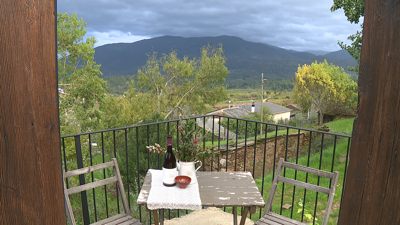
372	190
31	188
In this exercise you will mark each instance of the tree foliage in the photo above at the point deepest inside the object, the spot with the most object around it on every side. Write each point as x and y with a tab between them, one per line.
127	110
174	84
323	85
354	10
78	76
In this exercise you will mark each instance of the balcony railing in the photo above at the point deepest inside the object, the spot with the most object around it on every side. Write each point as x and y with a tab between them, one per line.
244	145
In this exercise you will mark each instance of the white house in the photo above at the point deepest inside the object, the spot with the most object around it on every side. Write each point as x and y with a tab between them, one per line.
241	111
278	111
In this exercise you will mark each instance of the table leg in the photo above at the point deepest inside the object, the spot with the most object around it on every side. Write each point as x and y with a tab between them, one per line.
155	216
161	216
244	215
234	215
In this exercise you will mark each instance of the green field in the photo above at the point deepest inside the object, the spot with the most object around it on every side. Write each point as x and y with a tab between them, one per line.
238	96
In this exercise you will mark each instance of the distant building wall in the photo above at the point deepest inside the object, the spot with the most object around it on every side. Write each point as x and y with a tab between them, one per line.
283	116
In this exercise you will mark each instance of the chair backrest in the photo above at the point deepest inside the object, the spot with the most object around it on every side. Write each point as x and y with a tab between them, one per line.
116	178
278	178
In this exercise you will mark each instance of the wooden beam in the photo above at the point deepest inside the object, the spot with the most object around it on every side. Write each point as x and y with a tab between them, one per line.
31	190
372	191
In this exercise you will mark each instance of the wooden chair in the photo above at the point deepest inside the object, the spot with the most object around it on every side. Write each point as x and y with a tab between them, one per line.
271	218
122	218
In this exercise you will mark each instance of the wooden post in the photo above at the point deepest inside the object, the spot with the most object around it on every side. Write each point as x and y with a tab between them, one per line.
31	190
372	191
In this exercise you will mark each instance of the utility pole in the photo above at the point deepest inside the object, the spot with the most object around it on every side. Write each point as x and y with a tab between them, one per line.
262	100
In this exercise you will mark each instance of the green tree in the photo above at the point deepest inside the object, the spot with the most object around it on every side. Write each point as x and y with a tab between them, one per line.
323	85
78	76
174	84
354	10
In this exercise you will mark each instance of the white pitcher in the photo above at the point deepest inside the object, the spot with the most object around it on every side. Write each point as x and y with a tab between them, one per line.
188	169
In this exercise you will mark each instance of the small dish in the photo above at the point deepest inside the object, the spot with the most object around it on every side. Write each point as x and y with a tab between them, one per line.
183	181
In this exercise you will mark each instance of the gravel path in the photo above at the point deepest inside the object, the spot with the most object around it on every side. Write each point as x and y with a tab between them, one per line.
209	216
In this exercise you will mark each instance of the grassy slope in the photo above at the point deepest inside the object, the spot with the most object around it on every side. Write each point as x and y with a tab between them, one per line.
341	126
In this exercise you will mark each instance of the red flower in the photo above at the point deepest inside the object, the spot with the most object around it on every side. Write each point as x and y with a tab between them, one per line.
180	128
158	147
179	151
195	141
149	149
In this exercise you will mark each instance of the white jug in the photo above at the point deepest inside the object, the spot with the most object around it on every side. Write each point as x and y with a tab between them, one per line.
188	169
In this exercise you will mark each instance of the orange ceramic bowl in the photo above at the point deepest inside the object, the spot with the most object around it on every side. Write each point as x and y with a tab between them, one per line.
183	181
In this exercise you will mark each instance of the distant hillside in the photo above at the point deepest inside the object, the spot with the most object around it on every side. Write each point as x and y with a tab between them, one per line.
341	54
317	52
246	60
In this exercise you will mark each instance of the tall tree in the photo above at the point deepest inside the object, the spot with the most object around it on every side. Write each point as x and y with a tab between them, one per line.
354	10
131	108
78	75
175	84
323	85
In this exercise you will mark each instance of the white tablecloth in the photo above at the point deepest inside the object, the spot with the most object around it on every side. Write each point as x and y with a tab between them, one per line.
174	197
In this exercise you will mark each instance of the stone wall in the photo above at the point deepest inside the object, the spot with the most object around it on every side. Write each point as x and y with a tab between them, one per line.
274	148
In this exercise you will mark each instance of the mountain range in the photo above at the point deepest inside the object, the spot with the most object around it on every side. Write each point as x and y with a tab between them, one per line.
245	60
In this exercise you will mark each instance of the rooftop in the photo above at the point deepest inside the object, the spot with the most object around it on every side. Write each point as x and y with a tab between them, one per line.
274	108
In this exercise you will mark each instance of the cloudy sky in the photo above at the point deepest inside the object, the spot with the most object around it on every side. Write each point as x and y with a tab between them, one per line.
292	24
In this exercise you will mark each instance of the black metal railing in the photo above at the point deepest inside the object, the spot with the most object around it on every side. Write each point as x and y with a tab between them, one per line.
244	145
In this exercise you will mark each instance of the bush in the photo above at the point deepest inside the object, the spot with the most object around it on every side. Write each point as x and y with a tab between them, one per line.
299	119
313	117
209	136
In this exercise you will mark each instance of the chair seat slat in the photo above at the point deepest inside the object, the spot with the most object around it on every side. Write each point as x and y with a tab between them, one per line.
282	220
265	221
110	219
120	219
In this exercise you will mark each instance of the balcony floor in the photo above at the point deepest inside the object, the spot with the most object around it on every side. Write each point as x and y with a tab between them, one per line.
207	216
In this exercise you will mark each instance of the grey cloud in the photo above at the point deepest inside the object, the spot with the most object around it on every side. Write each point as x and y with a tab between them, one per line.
295	24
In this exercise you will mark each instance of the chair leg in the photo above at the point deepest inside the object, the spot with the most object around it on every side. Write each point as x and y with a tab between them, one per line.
244	215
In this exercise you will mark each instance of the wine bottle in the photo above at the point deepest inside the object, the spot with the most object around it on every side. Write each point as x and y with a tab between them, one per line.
169	166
